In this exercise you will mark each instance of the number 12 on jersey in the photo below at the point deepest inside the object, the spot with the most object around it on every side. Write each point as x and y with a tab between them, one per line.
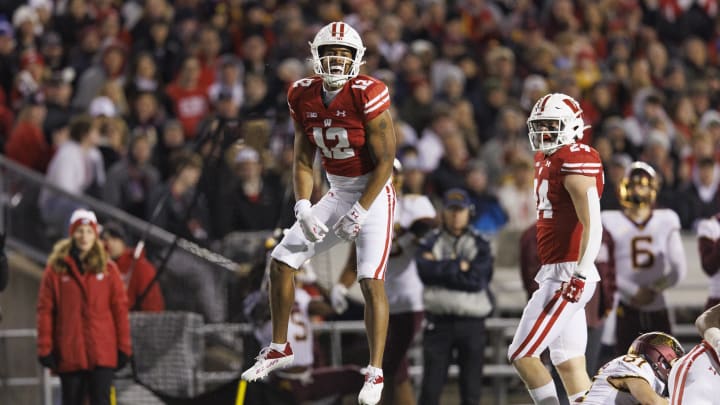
544	206
341	150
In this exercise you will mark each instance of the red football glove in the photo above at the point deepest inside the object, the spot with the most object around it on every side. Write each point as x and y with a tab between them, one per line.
573	289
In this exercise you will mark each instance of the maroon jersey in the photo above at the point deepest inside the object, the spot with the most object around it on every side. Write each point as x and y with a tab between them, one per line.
338	130
558	229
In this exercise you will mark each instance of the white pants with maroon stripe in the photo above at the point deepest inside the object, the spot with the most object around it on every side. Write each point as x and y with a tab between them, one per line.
695	378
551	321
373	241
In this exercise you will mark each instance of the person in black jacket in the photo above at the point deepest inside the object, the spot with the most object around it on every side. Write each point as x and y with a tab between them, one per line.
455	265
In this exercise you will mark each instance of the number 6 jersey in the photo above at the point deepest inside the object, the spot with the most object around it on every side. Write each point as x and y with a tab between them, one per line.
558	229
338	130
648	254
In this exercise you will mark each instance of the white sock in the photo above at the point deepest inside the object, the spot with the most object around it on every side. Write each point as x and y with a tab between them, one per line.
545	395
573	397
280	347
374	370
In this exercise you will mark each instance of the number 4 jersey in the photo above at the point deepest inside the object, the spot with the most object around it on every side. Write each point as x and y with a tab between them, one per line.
338	130
558	229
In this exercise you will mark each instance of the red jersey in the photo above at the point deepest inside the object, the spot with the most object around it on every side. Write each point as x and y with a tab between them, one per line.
190	106
338	130
558	229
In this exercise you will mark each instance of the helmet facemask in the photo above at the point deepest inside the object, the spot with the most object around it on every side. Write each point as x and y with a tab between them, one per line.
546	134
555	120
336	70
639	187
660	350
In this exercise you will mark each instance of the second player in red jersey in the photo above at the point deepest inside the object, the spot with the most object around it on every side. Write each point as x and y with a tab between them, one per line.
568	183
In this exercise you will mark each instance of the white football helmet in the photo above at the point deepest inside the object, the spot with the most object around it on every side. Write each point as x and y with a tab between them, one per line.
337	33
555	120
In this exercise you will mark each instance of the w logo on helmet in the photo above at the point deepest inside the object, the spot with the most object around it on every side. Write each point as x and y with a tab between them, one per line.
338	30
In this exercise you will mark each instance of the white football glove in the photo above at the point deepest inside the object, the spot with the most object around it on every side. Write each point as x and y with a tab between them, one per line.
314	229
348	226
338	298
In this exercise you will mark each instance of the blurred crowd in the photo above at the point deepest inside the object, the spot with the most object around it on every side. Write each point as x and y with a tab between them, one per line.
119	100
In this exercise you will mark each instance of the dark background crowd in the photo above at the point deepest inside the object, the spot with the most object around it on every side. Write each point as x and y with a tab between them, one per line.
157	77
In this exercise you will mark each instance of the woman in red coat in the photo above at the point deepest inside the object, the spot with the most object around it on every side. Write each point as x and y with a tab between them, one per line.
82	315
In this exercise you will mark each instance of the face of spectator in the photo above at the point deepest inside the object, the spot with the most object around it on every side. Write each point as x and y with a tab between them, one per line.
173	137
84	238
254	49
110	26
476	180
115	134
90	41
114	246
145	107
706	174
209	43
93	137
155	8
685	112
146	68
248	171
190	72
114	60
78	9
602	97
189	177
37	114
695	52
456	151
159	33
658	56
230	74
141	150
453	88
456	219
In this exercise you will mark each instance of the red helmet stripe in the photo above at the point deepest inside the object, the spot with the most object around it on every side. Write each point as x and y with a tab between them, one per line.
572	105
333	29
544	101
342	30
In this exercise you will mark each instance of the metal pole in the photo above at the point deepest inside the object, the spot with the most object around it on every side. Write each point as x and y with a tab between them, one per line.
47	387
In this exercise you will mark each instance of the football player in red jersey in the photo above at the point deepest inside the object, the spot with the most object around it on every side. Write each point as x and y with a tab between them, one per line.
694	378
344	116
568	183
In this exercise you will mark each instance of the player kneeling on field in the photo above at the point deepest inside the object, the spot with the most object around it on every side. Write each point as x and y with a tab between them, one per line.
640	376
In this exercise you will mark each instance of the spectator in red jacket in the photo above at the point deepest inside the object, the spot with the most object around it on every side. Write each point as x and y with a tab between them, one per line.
82	315
27	144
136	272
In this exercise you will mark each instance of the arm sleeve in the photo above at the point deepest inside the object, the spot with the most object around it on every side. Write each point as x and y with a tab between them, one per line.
45	313
676	258
708	233
594	240
375	99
